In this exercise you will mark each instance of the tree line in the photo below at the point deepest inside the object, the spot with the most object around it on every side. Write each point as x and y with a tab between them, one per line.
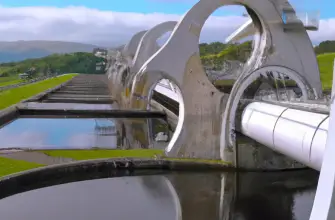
214	54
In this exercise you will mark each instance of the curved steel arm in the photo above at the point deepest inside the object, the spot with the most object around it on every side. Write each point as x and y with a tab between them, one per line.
324	202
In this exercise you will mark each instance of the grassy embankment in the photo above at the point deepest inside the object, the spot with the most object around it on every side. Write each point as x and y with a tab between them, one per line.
15	95
326	64
10	166
10	80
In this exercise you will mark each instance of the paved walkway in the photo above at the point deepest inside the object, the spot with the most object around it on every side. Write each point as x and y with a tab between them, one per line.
35	157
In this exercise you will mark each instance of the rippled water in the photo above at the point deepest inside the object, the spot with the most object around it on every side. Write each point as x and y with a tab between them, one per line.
188	196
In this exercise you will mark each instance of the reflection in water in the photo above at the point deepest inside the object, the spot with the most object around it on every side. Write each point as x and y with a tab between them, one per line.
302	201
80	133
246	196
115	198
188	196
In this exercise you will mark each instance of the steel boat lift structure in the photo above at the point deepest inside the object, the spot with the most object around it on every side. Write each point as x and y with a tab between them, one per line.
209	119
273	59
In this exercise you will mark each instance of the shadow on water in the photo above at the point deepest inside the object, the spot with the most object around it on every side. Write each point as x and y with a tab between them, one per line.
170	195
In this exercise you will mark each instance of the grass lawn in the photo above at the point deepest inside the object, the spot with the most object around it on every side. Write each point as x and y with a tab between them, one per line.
10	166
12	82
4	79
13	96
326	64
9	80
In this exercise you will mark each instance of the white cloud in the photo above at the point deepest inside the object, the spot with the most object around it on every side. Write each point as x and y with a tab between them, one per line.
326	31
82	24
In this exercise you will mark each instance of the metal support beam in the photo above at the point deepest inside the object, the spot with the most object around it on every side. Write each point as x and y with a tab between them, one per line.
80	113
246	30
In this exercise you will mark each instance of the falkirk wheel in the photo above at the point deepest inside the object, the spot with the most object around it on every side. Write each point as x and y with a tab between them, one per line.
131	58
126	63
121	59
208	118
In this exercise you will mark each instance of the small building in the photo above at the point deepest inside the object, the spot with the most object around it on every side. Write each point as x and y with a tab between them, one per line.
24	76
99	52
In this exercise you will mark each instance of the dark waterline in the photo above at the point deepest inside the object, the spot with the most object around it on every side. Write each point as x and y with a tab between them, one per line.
188	196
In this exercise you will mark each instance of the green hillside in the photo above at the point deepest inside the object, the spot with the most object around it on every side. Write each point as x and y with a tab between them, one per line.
80	62
12	96
212	58
326	64
14	51
213	55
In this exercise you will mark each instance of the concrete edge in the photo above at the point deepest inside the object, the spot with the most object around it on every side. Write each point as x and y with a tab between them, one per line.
95	169
126	163
8	114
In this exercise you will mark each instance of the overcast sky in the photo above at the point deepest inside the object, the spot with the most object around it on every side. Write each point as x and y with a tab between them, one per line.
113	22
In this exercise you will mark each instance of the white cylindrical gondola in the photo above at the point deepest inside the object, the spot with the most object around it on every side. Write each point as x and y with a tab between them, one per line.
298	134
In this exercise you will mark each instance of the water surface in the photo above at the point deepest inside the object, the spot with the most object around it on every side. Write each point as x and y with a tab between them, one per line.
188	196
81	133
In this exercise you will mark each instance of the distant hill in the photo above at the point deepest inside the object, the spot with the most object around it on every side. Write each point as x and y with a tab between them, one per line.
79	62
20	50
